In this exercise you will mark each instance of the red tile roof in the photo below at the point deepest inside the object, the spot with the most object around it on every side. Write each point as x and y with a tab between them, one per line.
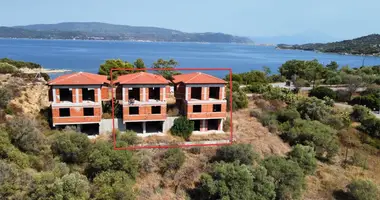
197	78
141	78
79	78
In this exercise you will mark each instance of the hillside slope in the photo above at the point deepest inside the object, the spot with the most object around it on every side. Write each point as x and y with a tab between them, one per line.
366	45
104	31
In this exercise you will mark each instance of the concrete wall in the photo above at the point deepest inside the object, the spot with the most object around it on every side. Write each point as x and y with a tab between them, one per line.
106	125
168	123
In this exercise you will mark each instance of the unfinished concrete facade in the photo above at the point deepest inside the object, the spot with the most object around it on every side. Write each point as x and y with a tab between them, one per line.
202	99
76	99
143	96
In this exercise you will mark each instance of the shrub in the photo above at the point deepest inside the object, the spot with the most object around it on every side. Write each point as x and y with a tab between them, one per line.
172	159
321	137
256	88
6	68
103	157
363	190
288	177
321	92
371	126
182	127
305	157
328	101
359	159
72	186
256	113
129	137
313	109
359	113
343	96
239	100
370	101
227	124
72	147
13	181
335	80
25	135
288	115
5	97
243	153
10	152
234	181
113	185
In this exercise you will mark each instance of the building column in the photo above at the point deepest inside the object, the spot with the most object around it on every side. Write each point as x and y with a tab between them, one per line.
221	125
144	127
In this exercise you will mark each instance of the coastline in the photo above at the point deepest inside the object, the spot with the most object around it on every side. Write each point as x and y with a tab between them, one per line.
336	53
43	70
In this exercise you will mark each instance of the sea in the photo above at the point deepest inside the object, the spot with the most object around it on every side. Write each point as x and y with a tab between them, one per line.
87	56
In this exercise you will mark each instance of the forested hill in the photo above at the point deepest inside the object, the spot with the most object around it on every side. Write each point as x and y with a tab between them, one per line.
366	45
104	31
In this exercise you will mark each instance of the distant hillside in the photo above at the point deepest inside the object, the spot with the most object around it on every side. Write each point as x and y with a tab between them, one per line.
310	36
367	45
104	31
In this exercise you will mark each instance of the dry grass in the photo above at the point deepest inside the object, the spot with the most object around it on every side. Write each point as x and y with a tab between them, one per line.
210	137
155	139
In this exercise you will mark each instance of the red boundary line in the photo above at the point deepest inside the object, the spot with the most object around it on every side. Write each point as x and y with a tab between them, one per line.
169	146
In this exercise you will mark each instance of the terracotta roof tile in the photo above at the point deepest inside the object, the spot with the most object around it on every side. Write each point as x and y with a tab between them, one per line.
197	78
79	78
142	78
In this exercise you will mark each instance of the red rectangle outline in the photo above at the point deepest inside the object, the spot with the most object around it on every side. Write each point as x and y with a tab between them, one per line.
175	145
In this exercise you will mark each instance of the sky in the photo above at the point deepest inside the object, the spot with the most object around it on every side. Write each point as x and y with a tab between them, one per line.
341	19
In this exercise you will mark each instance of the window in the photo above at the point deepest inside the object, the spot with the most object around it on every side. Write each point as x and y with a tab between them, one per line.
154	93
196	93
216	108
133	110
197	108
64	112
156	109
214	92
88	111
88	94
134	94
65	94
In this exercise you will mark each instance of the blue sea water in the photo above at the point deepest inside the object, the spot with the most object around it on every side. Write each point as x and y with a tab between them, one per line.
88	55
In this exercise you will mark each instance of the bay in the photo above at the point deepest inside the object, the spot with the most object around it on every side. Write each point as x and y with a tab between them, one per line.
88	55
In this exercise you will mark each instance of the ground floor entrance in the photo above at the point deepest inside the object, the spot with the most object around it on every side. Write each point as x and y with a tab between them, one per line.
150	127
204	125
89	129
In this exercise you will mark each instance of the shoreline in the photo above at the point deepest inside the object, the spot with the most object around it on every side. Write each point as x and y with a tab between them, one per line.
336	53
43	70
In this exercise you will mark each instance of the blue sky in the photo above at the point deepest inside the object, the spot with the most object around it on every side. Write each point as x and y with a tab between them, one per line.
337	18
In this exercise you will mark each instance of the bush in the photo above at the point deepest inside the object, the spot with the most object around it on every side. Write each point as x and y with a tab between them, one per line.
305	157
26	136
359	113
182	127
370	101
343	96
113	185
103	157
288	115
371	126
363	190
6	68
129	137
5	96
239	100
335	80
234	181
256	88
10	152
72	186
301	83
313	109
172	159
359	159
321	92
288	177
72	147
243	153
227	124
313	133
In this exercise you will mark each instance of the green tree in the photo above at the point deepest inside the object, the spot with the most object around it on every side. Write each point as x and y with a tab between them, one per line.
359	113
288	177
72	147
239	98
103	157
166	68
371	126
139	64
72	186
267	70
313	109
182	127
333	66
243	153
363	190
321	92
172	160
121	66
305	157
110	185
235	182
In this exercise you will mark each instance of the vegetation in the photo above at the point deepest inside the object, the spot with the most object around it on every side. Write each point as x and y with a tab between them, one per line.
363	190
182	127
20	64
166	68
242	153
172	159
322	92
71	147
367	45
305	157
